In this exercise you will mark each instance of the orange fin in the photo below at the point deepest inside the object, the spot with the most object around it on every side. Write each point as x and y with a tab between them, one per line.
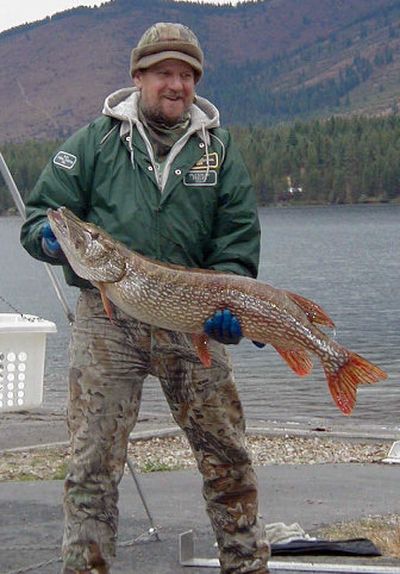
314	312
106	301
298	360
343	383
200	341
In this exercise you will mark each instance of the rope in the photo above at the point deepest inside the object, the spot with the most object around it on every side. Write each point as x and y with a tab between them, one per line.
145	537
30	318
17	310
34	567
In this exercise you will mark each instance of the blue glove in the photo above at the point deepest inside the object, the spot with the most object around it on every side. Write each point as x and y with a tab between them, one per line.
225	328
50	245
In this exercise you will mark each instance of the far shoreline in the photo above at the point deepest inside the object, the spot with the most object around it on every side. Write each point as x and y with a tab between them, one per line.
13	212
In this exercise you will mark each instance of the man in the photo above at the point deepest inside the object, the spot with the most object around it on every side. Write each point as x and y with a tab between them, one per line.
159	174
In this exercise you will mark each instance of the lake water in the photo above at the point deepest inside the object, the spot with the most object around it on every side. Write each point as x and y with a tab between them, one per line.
346	258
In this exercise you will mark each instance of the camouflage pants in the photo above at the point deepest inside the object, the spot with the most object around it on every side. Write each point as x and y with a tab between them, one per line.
109	362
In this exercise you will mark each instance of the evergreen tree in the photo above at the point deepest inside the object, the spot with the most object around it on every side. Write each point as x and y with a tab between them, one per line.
337	160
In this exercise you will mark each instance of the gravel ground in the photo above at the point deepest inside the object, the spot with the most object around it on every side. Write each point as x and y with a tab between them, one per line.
172	453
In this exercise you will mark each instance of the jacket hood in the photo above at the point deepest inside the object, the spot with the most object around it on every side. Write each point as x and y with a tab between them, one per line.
123	105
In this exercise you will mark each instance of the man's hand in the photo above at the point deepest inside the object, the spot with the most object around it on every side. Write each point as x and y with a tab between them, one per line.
225	328
50	245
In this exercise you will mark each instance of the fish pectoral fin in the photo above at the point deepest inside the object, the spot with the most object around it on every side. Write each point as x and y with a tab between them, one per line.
314	312
343	381
297	359
200	342
105	300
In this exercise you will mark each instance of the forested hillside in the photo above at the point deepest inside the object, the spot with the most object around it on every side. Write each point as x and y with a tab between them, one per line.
319	162
266	62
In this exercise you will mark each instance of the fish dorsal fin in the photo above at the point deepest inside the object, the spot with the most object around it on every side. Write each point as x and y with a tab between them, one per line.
297	359
314	312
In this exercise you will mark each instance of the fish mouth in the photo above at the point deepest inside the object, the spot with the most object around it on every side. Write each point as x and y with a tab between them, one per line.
59	223
56	215
66	225
56	218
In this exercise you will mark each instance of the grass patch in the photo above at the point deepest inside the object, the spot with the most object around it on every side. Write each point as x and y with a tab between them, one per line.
158	466
40	464
61	471
52	463
383	531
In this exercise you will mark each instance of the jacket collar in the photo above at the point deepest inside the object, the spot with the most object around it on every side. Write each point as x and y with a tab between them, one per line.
123	105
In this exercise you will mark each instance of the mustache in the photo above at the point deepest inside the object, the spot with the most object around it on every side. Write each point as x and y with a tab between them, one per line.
174	94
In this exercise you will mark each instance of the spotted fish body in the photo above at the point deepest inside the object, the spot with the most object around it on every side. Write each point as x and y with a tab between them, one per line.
182	299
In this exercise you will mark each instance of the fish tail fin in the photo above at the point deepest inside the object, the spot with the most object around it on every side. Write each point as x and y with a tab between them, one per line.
298	360
343	381
314	312
200	342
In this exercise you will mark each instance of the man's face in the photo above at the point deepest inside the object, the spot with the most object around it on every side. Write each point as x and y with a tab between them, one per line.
167	90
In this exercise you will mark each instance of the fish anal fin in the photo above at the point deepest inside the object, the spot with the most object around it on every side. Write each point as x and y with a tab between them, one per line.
314	312
105	300
343	382
297	359
200	342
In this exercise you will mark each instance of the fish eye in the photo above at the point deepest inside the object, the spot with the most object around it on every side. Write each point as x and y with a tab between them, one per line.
95	234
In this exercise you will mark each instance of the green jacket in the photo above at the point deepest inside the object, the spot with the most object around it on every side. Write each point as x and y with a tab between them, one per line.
198	210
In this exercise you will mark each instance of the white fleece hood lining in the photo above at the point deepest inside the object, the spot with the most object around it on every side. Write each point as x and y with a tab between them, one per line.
122	105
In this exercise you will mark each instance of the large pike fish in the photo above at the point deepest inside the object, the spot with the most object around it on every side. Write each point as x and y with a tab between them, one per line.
182	299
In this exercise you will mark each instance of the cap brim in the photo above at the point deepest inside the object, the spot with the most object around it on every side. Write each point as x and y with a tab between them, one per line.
147	61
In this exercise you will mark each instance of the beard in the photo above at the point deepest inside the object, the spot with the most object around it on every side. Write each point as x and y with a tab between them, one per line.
155	115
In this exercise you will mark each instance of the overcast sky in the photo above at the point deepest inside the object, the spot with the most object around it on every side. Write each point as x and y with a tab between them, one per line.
16	12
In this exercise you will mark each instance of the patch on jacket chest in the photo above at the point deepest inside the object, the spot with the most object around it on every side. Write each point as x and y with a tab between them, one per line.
65	159
198	177
203	172
202	164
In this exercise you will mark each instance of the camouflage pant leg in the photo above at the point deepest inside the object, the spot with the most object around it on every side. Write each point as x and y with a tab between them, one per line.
106	375
206	405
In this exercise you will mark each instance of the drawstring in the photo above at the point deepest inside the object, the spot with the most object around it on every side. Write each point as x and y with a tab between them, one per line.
205	139
130	138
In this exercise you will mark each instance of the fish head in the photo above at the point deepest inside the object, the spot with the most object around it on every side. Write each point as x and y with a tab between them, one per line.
92	253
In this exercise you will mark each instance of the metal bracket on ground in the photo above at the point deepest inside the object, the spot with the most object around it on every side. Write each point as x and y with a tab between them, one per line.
393	456
187	558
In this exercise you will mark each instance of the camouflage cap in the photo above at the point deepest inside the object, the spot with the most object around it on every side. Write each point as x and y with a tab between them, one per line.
166	40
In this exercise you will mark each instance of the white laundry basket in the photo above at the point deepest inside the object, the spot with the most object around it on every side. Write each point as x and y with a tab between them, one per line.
22	354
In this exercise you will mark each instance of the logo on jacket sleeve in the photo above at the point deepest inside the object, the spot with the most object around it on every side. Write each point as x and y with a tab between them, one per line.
65	159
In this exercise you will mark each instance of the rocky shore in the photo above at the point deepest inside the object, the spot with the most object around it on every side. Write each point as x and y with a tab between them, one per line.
173	453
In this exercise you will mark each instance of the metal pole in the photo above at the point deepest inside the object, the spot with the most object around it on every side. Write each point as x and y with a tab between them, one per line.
153	530
9	180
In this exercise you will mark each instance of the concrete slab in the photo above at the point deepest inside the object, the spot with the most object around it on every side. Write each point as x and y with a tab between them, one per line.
312	495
